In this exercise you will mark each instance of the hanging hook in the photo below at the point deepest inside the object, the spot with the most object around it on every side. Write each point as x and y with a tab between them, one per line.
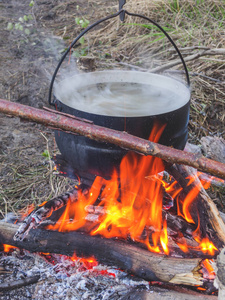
122	14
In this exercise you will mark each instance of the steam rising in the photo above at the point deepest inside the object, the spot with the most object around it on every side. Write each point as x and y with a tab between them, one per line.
122	93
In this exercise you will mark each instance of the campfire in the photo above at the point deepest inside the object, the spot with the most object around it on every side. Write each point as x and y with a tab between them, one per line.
146	212
137	205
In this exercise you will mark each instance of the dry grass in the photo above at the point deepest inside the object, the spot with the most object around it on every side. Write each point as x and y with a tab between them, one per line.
28	180
192	24
27	174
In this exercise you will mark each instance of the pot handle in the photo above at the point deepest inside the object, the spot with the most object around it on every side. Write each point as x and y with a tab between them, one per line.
122	12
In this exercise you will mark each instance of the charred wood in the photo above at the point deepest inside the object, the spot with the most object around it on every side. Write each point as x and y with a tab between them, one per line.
37	216
207	208
135	260
12	285
163	293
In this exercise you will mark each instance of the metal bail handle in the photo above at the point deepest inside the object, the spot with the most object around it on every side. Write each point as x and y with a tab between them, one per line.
122	12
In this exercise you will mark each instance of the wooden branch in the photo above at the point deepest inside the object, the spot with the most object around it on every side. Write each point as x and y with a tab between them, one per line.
188	58
118	138
209	206
161	293
37	216
133	259
12	285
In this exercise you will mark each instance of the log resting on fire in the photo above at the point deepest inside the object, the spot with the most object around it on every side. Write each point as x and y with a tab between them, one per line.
208	207
38	215
122	139
133	259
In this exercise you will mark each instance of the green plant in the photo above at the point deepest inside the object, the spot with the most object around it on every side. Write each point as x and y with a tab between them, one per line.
175	6
23	22
83	23
46	154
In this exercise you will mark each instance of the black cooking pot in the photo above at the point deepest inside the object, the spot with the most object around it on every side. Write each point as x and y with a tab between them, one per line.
171	107
74	96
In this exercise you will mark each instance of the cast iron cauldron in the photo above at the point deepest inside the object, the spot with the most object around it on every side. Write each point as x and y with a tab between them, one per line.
172	99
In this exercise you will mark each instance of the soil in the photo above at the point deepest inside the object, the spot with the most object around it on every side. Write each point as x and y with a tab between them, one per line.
27	63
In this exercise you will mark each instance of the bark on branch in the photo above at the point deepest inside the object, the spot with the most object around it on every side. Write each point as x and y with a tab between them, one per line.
133	259
118	138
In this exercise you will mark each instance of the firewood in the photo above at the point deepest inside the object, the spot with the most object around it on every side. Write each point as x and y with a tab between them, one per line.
129	257
38	215
220	275
213	147
121	139
42	216
12	285
208	206
158	293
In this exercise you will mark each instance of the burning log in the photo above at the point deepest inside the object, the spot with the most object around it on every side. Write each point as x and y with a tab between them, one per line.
122	139
138	261
38	215
43	216
208	206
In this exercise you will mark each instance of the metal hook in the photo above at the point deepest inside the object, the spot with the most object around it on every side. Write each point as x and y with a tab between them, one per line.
122	14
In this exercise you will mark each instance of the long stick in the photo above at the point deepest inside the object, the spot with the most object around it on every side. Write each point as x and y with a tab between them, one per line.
188	58
118	138
140	262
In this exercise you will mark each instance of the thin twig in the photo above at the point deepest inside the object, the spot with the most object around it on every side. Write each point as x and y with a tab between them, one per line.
196	74
188	58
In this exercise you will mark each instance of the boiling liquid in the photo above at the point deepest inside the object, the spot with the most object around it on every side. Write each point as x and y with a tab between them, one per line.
121	99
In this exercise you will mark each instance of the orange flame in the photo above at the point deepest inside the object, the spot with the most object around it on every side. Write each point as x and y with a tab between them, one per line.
183	247
88	262
207	247
27	210
130	204
8	248
207	264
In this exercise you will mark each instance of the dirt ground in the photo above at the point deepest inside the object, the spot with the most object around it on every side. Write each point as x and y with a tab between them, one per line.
27	62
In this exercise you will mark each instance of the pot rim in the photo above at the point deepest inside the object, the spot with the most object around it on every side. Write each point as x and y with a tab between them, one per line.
160	82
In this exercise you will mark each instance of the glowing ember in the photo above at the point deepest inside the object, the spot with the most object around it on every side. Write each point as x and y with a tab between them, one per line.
208	269
8	248
132	205
88	263
69	264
